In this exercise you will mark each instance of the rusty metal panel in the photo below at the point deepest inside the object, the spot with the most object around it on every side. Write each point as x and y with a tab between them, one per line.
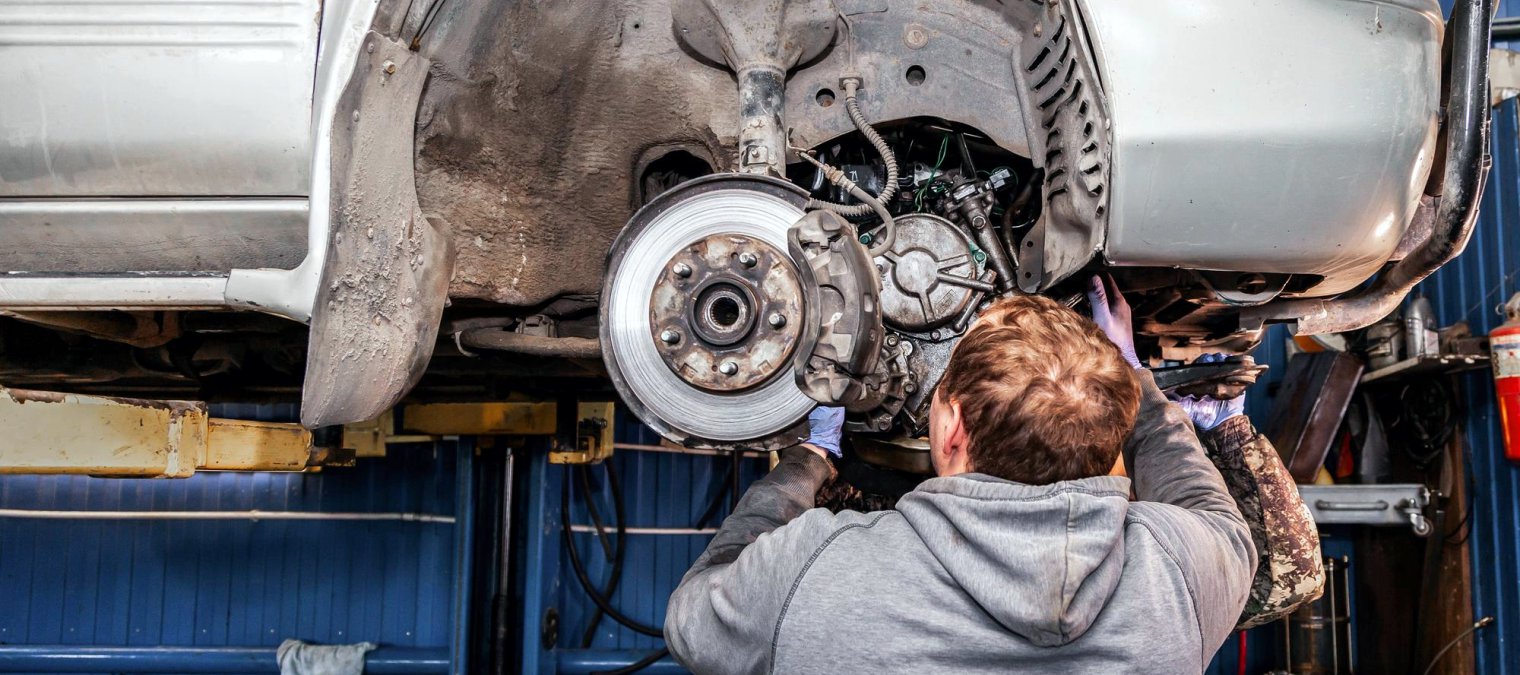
242	445
1307	413
48	432
483	419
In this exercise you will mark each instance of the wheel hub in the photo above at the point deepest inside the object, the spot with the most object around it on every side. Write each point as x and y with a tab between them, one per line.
702	312
725	313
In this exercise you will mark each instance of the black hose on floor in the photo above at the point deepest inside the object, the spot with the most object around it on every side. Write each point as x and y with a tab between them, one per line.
620	520
579	568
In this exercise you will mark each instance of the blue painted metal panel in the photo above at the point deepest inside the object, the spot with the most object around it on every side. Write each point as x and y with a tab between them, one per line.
662	490
1469	289
238	583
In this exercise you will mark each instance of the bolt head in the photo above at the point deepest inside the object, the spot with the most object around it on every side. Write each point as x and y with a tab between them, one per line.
915	36
669	336
682	270
748	259
729	368
776	320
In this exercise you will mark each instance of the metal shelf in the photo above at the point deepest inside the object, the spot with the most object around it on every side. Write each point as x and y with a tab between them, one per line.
1440	364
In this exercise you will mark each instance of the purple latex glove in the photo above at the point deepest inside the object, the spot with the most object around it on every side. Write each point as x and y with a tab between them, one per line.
1111	312
1206	411
825	425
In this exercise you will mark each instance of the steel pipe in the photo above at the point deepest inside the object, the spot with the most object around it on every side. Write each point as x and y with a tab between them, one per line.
97	659
496	339
609	660
222	515
689	531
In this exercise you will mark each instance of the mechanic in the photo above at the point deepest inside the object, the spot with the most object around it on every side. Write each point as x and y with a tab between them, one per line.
1023	554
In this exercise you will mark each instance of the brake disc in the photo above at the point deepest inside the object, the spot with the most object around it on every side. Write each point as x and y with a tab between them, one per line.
702	311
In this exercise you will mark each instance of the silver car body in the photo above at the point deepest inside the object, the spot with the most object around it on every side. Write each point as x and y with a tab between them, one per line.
135	126
1238	150
182	156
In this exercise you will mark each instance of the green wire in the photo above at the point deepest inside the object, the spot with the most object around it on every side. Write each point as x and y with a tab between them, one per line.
918	201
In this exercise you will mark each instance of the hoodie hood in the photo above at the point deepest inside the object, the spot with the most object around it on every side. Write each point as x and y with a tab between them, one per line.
1042	560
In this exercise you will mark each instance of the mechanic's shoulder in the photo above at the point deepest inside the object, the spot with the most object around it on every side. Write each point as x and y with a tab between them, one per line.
825	526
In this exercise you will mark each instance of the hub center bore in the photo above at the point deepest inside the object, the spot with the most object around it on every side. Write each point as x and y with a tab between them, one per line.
724	312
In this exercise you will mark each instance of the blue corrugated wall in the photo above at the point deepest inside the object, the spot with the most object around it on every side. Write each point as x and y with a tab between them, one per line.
1469	289
239	583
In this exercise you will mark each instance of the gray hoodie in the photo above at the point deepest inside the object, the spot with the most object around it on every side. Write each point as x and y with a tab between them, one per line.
973	573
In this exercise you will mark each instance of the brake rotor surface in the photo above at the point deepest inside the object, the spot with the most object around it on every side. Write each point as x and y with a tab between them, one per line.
701	311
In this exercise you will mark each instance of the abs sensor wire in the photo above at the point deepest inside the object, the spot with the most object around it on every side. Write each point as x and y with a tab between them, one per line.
879	240
852	108
1481	623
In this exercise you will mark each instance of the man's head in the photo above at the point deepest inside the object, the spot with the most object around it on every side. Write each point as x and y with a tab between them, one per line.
1033	393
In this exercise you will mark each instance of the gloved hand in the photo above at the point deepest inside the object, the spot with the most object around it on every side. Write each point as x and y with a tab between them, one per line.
825	425
1111	312
1208	412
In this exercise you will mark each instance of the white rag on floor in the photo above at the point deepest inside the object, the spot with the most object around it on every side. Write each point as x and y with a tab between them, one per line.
298	658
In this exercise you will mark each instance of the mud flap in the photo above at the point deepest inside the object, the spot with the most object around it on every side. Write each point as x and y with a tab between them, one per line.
387	272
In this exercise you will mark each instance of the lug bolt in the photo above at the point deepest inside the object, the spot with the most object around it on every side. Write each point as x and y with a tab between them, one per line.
748	259
729	368
682	270
776	320
669	336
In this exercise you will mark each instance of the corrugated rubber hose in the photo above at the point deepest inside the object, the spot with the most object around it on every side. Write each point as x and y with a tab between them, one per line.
887	191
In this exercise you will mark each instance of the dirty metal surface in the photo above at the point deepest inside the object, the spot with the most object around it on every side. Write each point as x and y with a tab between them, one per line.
927	276
516	418
48	432
386	279
539	119
241	445
727	312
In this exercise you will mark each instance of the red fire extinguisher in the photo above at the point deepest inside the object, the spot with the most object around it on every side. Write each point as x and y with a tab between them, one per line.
1504	345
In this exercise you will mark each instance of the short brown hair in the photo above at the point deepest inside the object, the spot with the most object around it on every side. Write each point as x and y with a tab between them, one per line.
1044	395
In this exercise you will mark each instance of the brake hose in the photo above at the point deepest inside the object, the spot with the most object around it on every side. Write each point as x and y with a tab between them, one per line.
851	84
879	240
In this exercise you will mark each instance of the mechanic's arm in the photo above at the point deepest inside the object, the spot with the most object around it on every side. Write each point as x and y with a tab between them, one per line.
1167	465
1289	569
722	616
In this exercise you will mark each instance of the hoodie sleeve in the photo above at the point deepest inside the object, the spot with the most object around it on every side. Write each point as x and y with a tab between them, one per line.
723	616
1193	515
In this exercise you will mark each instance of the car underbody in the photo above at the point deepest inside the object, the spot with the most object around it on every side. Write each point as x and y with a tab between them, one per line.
736	211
